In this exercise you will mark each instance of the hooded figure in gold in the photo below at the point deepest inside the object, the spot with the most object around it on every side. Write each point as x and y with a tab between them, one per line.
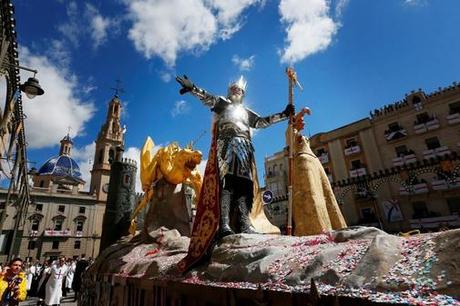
315	208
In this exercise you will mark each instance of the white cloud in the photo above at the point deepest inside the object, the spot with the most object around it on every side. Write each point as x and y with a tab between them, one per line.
201	167
243	64
84	158
229	14
72	28
98	25
415	2
166	76
50	115
340	6
309	28
180	107
161	29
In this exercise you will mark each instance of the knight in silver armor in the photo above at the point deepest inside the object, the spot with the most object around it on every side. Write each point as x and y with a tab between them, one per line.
235	152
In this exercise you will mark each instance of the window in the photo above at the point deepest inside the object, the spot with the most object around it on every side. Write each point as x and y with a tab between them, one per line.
38	207
101	156
58	224
420	210
81	210
432	143
31	245
320	152
351	142
42	183
61	208
422	118
356	164
111	156
416	100
454	205
77	244
2	205
401	151
393	127
79	226
454	108
35	225
55	245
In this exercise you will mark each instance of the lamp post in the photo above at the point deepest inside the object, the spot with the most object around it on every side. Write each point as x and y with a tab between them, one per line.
31	87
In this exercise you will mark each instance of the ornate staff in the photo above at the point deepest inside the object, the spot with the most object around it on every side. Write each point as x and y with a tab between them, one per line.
292	77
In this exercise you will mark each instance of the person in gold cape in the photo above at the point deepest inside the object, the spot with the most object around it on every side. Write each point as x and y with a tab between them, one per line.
315	208
227	194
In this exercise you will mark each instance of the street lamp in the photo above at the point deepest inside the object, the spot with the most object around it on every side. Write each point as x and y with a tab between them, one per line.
31	87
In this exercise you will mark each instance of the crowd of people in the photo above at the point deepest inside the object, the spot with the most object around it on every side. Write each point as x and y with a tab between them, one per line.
49	281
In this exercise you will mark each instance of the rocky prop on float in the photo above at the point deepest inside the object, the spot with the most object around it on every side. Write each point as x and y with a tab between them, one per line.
363	263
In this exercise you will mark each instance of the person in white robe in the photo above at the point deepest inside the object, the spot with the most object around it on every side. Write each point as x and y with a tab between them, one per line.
30	273
70	273
54	286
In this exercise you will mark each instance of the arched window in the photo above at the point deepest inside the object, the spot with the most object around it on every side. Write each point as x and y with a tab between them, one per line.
79	227
34	224
416	100
111	155
101	156
58	224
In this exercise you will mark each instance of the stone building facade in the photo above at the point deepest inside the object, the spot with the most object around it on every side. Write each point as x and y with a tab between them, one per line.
62	219
398	169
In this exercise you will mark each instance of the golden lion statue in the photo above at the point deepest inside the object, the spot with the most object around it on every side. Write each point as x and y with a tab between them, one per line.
171	163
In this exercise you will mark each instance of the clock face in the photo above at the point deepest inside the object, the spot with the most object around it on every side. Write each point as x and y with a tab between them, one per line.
105	188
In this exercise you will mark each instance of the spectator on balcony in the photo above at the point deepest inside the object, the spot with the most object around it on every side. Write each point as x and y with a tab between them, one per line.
13	284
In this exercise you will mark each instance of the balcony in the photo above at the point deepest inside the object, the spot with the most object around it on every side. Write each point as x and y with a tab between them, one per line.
436	222
419	188
453	118
424	127
352	150
324	158
404	160
445	184
432	153
358	172
78	234
395	133
33	233
61	233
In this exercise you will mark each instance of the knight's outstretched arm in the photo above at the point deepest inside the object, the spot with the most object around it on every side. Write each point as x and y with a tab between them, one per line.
258	122
188	86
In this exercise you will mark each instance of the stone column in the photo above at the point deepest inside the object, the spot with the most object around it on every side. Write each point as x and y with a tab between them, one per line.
120	201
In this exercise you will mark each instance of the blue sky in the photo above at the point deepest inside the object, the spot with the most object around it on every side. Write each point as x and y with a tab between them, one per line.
351	56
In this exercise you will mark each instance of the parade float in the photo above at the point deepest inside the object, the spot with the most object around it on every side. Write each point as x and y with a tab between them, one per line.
233	255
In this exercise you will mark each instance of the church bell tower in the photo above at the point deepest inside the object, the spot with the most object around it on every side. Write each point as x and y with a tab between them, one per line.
109	145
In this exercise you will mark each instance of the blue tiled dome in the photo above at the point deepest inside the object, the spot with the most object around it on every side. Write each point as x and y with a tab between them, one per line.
61	166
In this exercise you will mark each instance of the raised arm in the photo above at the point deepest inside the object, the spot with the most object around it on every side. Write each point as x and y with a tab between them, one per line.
258	122
188	86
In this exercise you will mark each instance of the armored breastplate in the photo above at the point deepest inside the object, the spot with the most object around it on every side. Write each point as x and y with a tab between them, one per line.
234	147
233	121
